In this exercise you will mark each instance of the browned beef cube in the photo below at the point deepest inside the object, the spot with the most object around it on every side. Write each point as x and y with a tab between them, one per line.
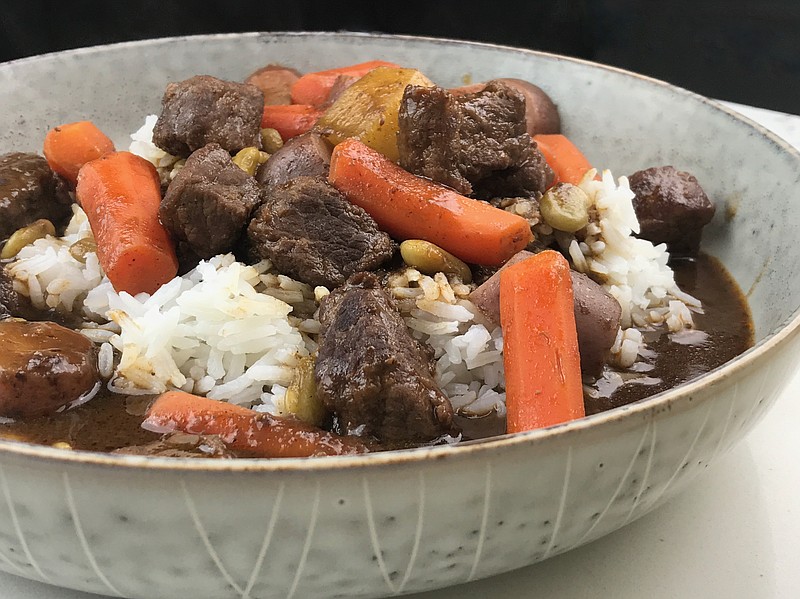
372	373
29	190
208	204
312	233
203	109
475	143
671	207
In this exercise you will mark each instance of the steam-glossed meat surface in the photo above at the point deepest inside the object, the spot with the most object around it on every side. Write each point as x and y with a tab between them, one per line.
307	155
671	207
208	204
43	367
29	190
476	143
202	110
312	233
371	373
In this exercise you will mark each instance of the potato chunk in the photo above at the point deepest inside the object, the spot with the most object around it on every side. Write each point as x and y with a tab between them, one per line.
367	110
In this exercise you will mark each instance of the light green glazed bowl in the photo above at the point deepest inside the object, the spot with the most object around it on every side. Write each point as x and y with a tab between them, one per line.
399	522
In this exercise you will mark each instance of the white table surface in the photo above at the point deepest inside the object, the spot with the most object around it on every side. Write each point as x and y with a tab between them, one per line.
734	533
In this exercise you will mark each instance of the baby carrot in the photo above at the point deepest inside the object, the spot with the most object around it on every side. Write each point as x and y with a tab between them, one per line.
567	161
313	88
290	120
540	343
258	434
68	147
410	207
121	194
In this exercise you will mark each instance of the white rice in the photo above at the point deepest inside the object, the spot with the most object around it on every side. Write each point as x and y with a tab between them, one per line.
632	270
468	351
50	276
142	145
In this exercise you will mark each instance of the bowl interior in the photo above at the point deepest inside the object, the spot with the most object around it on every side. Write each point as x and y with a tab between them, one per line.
623	122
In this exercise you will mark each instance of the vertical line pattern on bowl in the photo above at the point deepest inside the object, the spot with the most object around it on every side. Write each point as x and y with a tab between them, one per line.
265	544
617	491
18	529
562	503
312	524
201	530
646	476
680	464
373	535
417	534
76	521
487	494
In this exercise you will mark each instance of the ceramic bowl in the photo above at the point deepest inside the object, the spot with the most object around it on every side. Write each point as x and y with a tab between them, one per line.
405	521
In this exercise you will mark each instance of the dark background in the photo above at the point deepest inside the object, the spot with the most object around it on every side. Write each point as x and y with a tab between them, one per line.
744	51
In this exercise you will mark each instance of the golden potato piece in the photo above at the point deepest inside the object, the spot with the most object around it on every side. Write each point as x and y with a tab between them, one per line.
367	110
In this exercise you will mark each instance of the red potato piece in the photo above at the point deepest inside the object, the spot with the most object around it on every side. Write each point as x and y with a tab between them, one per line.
43	367
307	155
276	82
597	314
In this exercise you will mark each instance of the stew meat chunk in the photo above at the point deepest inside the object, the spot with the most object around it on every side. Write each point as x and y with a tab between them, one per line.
372	373
29	190
203	109
208	204
671	207
475	143
312	233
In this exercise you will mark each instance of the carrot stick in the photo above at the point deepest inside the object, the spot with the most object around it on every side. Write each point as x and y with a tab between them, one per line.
241	429
121	194
567	161
540	343
68	147
313	88
410	207
290	120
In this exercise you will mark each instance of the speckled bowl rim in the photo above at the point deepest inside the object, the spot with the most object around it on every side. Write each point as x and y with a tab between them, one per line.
664	400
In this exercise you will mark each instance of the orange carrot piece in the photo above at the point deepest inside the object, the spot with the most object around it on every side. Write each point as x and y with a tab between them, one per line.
567	161
290	120
68	147
121	194
540	343
313	88
241	429
410	207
